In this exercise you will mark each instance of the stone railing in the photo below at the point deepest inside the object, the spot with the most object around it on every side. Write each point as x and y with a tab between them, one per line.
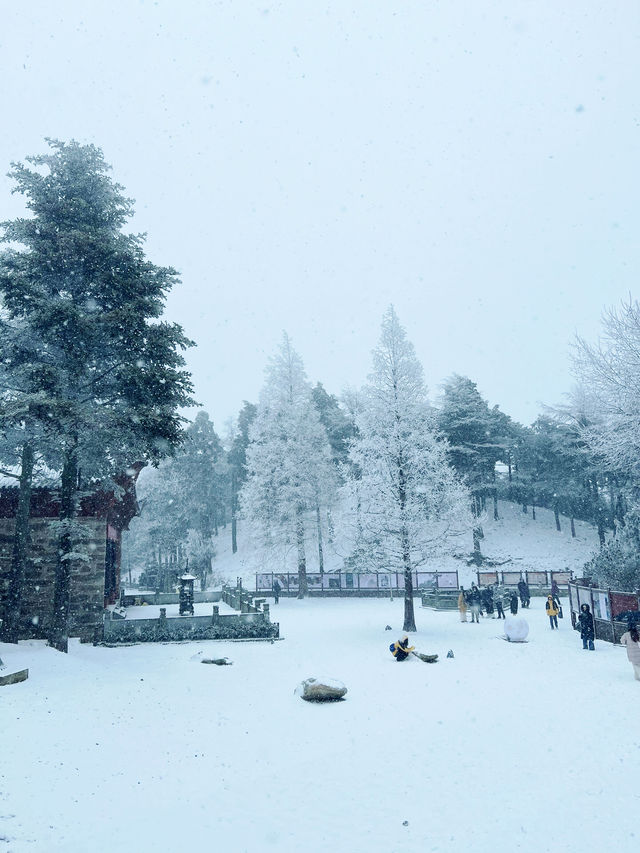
243	601
135	599
252	622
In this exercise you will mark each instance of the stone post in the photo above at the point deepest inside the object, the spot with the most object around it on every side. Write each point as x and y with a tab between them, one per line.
215	615
265	610
163	616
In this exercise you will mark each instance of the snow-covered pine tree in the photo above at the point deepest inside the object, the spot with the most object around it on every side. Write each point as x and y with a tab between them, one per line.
237	458
478	437
405	498
184	502
83	289
290	474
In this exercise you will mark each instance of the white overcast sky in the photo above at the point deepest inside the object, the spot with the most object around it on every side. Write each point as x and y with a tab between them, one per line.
305	164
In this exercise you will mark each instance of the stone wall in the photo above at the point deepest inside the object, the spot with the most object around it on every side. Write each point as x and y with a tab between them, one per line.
87	579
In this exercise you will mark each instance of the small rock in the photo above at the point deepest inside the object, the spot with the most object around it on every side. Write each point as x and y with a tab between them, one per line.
217	661
317	690
14	677
405	823
450	653
388	628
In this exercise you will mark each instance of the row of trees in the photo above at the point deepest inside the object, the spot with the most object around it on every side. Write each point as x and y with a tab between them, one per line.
305	468
92	378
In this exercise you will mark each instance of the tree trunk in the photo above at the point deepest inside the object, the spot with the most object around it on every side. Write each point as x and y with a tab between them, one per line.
303	587
496	517
21	542
234	511
320	550
409	615
557	517
477	551
405	546
573	528
59	638
330	527
533	510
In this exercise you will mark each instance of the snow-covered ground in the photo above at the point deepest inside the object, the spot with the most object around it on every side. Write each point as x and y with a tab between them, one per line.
529	747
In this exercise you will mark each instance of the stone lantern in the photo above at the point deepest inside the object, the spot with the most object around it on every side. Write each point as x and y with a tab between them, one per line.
186	593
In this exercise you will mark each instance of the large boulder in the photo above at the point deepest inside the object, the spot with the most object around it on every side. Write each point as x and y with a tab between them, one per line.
516	629
321	690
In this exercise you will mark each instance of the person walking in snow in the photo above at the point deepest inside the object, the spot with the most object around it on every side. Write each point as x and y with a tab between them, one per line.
497	597
555	590
475	603
462	605
401	648
586	627
631	639
525	595
552	611
276	591
513	603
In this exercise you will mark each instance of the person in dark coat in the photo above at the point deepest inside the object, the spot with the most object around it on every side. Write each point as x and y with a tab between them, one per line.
587	628
513	604
497	597
401	648
487	600
276	591
555	590
525	595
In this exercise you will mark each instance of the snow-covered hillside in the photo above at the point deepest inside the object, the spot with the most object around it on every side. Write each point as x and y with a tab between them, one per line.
515	540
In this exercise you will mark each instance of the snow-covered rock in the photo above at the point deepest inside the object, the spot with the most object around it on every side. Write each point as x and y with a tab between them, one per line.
320	690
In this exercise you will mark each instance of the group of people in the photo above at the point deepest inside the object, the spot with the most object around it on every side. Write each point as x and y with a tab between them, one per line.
490	600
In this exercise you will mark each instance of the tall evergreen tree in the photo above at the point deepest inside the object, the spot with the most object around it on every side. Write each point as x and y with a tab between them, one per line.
478	437
238	461
404	496
289	470
84	290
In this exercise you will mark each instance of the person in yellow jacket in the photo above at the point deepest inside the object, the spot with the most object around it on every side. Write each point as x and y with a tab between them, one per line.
401	648
552	611
462	605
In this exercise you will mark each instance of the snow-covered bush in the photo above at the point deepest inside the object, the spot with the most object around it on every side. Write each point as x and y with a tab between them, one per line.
617	564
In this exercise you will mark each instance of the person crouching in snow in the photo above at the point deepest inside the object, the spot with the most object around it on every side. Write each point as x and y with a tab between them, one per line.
401	648
552	611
